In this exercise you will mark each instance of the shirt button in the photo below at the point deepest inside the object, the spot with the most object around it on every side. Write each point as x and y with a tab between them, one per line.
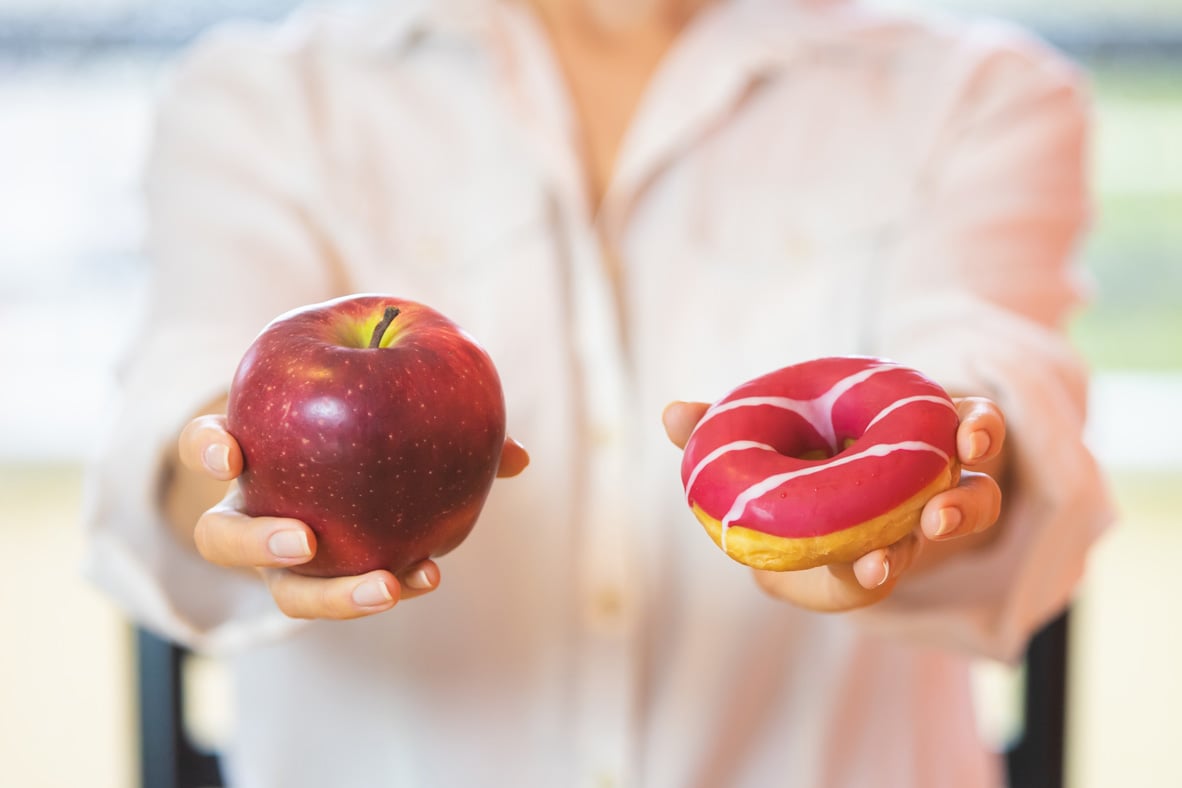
429	248
798	245
609	603
602	436
605	780
605	612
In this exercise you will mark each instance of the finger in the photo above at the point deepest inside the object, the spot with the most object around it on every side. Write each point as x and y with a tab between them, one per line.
422	578
514	459
878	567
205	446
227	537
982	430
332	597
824	589
972	506
680	418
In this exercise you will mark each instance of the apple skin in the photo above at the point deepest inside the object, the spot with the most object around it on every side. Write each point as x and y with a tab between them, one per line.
387	453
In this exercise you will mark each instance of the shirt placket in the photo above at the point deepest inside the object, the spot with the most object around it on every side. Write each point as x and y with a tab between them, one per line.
605	663
610	533
608	602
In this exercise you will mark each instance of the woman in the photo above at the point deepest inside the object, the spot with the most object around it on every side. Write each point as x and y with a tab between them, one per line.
628	204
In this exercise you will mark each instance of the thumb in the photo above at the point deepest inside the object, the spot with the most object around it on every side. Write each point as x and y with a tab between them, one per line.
680	418
205	446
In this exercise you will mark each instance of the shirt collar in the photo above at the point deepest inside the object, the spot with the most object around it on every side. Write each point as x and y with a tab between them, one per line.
729	45
757	22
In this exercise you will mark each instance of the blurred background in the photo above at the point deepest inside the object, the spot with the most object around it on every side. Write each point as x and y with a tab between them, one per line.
77	82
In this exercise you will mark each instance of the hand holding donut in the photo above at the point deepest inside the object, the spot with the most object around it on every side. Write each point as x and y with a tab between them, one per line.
840	469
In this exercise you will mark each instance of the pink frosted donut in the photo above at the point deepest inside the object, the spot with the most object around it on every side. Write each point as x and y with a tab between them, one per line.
820	462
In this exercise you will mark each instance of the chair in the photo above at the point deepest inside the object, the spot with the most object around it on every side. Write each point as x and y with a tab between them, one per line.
169	759
1037	759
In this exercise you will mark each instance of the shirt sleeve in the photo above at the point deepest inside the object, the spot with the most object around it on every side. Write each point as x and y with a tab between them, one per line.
236	236
976	292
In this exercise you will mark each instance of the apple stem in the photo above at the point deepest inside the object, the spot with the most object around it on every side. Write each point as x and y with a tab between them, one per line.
380	329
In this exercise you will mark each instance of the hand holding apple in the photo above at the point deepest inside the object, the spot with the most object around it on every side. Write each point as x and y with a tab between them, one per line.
375	420
227	537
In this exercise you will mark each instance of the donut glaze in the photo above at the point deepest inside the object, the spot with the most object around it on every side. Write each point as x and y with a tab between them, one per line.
820	462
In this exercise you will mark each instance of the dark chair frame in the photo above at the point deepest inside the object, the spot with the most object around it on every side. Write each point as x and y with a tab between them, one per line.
1037	759
169	759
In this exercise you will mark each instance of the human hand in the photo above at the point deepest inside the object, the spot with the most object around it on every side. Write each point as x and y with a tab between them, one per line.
225	536
968	510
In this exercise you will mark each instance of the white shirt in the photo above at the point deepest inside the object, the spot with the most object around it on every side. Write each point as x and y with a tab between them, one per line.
800	180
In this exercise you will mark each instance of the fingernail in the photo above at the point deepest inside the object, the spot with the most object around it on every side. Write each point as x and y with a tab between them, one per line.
371	594
978	444
420	580
886	571
950	518
217	457
289	544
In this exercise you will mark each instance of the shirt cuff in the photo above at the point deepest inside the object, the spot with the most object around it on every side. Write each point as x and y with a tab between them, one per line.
991	600
131	552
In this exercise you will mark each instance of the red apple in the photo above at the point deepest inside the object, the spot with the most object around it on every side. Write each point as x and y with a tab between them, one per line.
375	420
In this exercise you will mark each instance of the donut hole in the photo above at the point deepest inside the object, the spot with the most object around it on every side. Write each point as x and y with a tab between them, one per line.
802	446
823	452
786	431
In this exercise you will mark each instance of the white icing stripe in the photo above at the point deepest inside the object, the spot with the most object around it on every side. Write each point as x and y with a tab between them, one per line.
818	412
889	409
826	401
794	405
720	451
801	407
759	489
